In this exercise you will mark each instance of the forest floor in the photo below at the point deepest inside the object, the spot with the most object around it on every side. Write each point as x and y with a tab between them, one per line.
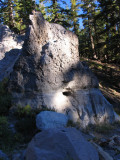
109	81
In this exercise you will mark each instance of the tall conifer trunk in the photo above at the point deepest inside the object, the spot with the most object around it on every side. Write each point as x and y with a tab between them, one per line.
54	7
118	2
94	56
10	12
92	40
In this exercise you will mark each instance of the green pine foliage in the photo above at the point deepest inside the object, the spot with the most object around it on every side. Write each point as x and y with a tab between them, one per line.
110	13
74	18
15	14
101	22
57	14
100	35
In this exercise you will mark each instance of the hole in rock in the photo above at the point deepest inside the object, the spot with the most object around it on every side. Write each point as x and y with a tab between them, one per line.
67	93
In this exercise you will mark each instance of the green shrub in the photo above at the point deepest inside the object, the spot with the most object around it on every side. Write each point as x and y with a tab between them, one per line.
23	111
27	111
3	127
70	123
5	98
26	127
103	128
18	138
6	135
26	124
8	139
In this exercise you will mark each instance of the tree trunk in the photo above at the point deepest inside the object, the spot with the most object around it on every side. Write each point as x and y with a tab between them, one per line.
119	17
11	17
94	56
54	1
54	7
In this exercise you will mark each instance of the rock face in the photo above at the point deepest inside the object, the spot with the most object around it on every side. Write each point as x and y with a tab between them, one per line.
66	144
49	74
10	46
50	119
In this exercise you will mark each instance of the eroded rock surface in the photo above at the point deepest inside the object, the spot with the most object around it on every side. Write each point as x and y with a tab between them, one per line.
10	47
65	144
49	74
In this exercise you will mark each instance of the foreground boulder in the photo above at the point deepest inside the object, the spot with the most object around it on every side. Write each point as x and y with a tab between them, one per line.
55	144
50	119
10	47
49	74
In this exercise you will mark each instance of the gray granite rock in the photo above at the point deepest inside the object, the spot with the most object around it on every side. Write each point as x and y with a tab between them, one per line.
65	144
49	74
3	156
19	155
50	119
10	48
117	157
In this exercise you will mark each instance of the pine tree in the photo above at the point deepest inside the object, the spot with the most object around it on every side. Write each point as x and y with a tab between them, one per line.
26	8
88	7
55	12
42	8
7	9
110	14
15	13
74	16
1	11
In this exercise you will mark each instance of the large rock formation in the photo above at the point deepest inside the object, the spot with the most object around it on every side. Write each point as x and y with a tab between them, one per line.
10	45
65	144
49	74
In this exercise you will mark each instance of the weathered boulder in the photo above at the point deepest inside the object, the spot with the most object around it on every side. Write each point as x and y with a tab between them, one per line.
49	74
65	144
50	119
10	45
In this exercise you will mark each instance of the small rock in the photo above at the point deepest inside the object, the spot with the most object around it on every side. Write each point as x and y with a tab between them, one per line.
103	142
116	139
3	156
19	156
112	143
12	127
50	119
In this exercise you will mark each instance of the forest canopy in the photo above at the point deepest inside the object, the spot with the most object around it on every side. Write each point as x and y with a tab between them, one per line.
96	22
